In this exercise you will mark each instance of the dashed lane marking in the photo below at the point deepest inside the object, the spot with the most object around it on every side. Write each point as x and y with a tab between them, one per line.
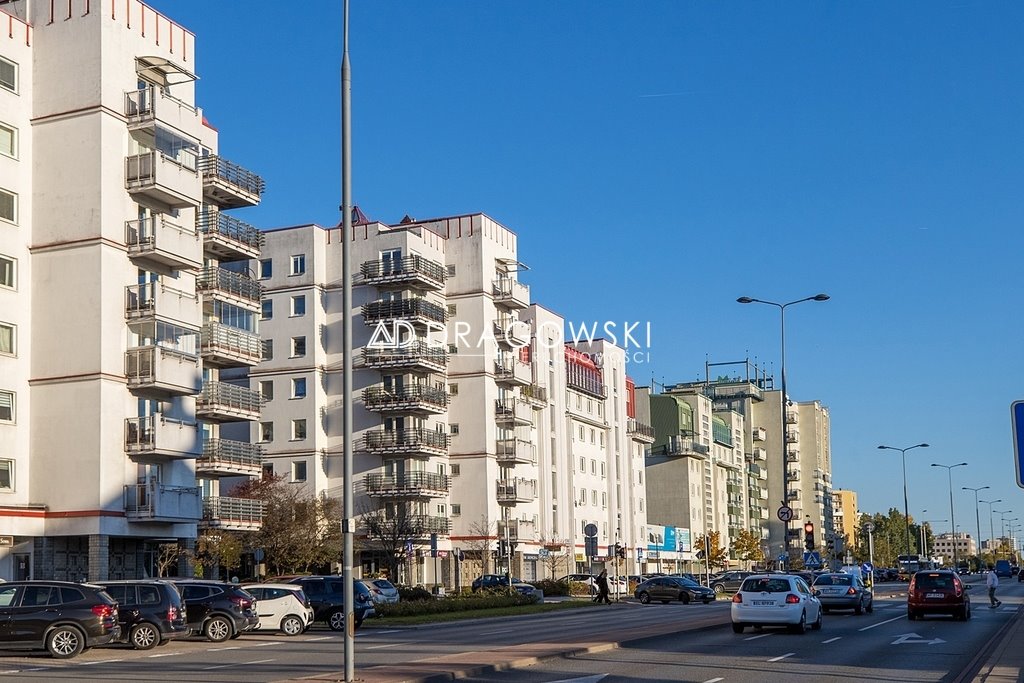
164	654
880	623
378	647
831	640
221	649
311	640
763	635
776	659
260	661
714	680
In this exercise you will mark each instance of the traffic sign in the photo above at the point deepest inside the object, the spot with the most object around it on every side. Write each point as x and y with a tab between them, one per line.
1017	419
590	530
785	513
812	559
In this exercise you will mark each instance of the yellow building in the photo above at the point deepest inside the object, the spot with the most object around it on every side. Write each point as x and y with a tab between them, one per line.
844	513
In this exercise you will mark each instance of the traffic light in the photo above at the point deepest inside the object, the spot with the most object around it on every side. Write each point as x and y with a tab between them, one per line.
809	535
620	552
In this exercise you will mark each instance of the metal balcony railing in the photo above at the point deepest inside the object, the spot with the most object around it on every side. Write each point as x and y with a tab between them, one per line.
678	445
154	501
214	166
512	410
227	512
409	396
408	483
508	291
223	281
406	269
404	309
515	451
405	439
216	223
224	340
636	428
516	490
418	354
231	396
232	454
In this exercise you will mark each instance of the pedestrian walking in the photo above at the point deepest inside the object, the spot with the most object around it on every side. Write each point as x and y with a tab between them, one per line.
602	587
992	581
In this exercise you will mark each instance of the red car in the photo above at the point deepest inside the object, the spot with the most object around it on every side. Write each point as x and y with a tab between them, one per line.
937	591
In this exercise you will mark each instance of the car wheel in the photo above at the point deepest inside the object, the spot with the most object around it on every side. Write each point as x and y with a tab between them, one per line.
65	642
144	636
859	609
817	624
967	611
737	628
684	598
336	620
871	606
291	625
911	616
801	626
719	588
645	598
217	630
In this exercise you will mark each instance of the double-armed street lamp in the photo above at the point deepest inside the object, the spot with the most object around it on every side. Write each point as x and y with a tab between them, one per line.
782	401
991	526
906	505
924	533
977	516
1002	526
1002	520
952	515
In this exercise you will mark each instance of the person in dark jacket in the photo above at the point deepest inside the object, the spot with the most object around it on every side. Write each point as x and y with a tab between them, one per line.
602	587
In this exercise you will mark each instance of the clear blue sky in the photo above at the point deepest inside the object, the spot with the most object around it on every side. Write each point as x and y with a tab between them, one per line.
660	159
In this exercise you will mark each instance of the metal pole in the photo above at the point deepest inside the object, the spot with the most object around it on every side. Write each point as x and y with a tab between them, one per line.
785	450
348	521
952	520
977	520
906	505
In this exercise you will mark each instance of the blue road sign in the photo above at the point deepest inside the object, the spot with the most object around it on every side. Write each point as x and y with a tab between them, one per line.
782	558
812	559
1017	418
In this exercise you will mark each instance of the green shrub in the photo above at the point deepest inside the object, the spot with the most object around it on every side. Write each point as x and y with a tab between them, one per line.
552	587
461	603
417	594
579	588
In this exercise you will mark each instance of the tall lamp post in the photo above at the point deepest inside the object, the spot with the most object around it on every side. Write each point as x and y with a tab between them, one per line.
952	515
924	532
1002	526
977	516
995	545
991	526
906	506
782	401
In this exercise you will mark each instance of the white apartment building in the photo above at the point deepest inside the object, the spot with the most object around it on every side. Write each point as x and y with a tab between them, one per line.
116	315
943	545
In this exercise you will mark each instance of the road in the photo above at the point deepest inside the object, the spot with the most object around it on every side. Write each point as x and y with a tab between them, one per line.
871	647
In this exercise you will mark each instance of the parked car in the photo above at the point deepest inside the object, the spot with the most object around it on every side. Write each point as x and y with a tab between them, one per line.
669	588
775	599
217	610
281	607
150	612
937	591
493	581
727	582
843	591
383	591
327	597
61	617
1002	569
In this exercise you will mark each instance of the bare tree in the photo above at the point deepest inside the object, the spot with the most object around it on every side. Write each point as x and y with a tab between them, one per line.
167	557
388	531
481	532
556	556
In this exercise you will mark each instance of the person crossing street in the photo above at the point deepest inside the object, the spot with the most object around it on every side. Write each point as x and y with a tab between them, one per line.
992	581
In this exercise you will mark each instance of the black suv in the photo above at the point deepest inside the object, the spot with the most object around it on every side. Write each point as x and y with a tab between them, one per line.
216	609
59	616
327	596
150	612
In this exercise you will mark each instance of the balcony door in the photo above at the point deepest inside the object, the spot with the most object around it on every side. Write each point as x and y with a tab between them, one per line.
391	261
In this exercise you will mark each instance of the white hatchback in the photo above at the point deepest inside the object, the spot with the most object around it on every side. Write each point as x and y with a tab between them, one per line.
282	607
775	600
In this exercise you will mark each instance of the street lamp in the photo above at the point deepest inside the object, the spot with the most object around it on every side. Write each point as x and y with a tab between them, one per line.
906	506
991	526
977	517
924	535
1002	526
952	516
994	544
782	401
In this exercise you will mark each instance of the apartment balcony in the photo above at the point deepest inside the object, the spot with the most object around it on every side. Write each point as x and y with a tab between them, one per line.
413	272
164	182
511	452
410	441
511	333
759	455
793	475
792	436
517	530
224	346
160	372
792	453
723	392
413	398
681	446
223	402
231	287
588	385
735	514
733	487
407	485
228	185
510	293
232	514
226	458
155	302
640	431
414	311
511	371
793	495
757	471
156	436
509	411
792	417
424	525
153	502
416	357
759	434
160	241
146	107
535	395
512	491
757	492
226	238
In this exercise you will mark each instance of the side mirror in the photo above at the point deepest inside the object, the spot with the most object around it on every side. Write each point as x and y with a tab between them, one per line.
816	592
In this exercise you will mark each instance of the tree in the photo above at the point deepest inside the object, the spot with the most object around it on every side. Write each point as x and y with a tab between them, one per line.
718	557
556	556
387	531
481	533
167	557
747	546
219	549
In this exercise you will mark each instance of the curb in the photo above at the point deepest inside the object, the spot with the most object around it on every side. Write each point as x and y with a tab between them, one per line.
989	665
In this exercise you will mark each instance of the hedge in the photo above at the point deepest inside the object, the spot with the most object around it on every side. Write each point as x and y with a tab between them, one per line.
461	603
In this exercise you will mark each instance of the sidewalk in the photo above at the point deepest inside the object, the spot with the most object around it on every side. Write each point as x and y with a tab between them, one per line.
1005	663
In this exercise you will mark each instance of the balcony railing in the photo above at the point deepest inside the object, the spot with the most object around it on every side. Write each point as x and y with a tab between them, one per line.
226	346
411	441
792	436
223	402
516	490
410	310
511	293
224	457
535	395
144	106
511	332
229	185
153	502
757	471
226	237
513	371
510	410
156	435
159	240
409	398
682	446
225	282
416	356
424	525
235	514
160	370
519	530
735	391
412	270
759	434
587	384
155	301
759	454
792	417
414	484
170	182
515	452
639	430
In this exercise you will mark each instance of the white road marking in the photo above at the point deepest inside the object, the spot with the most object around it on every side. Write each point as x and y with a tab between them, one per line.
394	630
491	633
831	640
313	640
165	654
763	635
260	661
714	680
221	649
880	623
788	654
219	666
263	644
585	679
378	647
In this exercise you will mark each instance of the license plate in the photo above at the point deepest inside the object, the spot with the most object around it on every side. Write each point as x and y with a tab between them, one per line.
763	603
832	591
935	595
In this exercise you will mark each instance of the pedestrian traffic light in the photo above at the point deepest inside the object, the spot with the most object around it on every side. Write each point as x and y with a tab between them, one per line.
620	552
809	535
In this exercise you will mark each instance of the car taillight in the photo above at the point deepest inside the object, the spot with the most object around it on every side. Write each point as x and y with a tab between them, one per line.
103	611
851	591
913	581
792	599
958	588
240	602
172	613
737	598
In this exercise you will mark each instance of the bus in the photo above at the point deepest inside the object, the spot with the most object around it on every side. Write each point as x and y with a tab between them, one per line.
910	564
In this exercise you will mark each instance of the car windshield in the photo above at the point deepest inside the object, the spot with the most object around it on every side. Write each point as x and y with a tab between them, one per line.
834	580
766	585
688	582
383	584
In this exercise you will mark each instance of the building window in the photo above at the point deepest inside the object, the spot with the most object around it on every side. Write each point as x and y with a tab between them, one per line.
267	389
267	309
593	496
453	348
6	406
299	305
583	433
451	270
453	389
8	206
456	509
299	387
268	470
6	475
298	347
452	308
266	269
583	498
604	499
299	470
298	430
268	349
453	428
298	264
602	470
583	464
593	435
8	141
7	272
266	432
593	466
456	470
7	339
8	75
